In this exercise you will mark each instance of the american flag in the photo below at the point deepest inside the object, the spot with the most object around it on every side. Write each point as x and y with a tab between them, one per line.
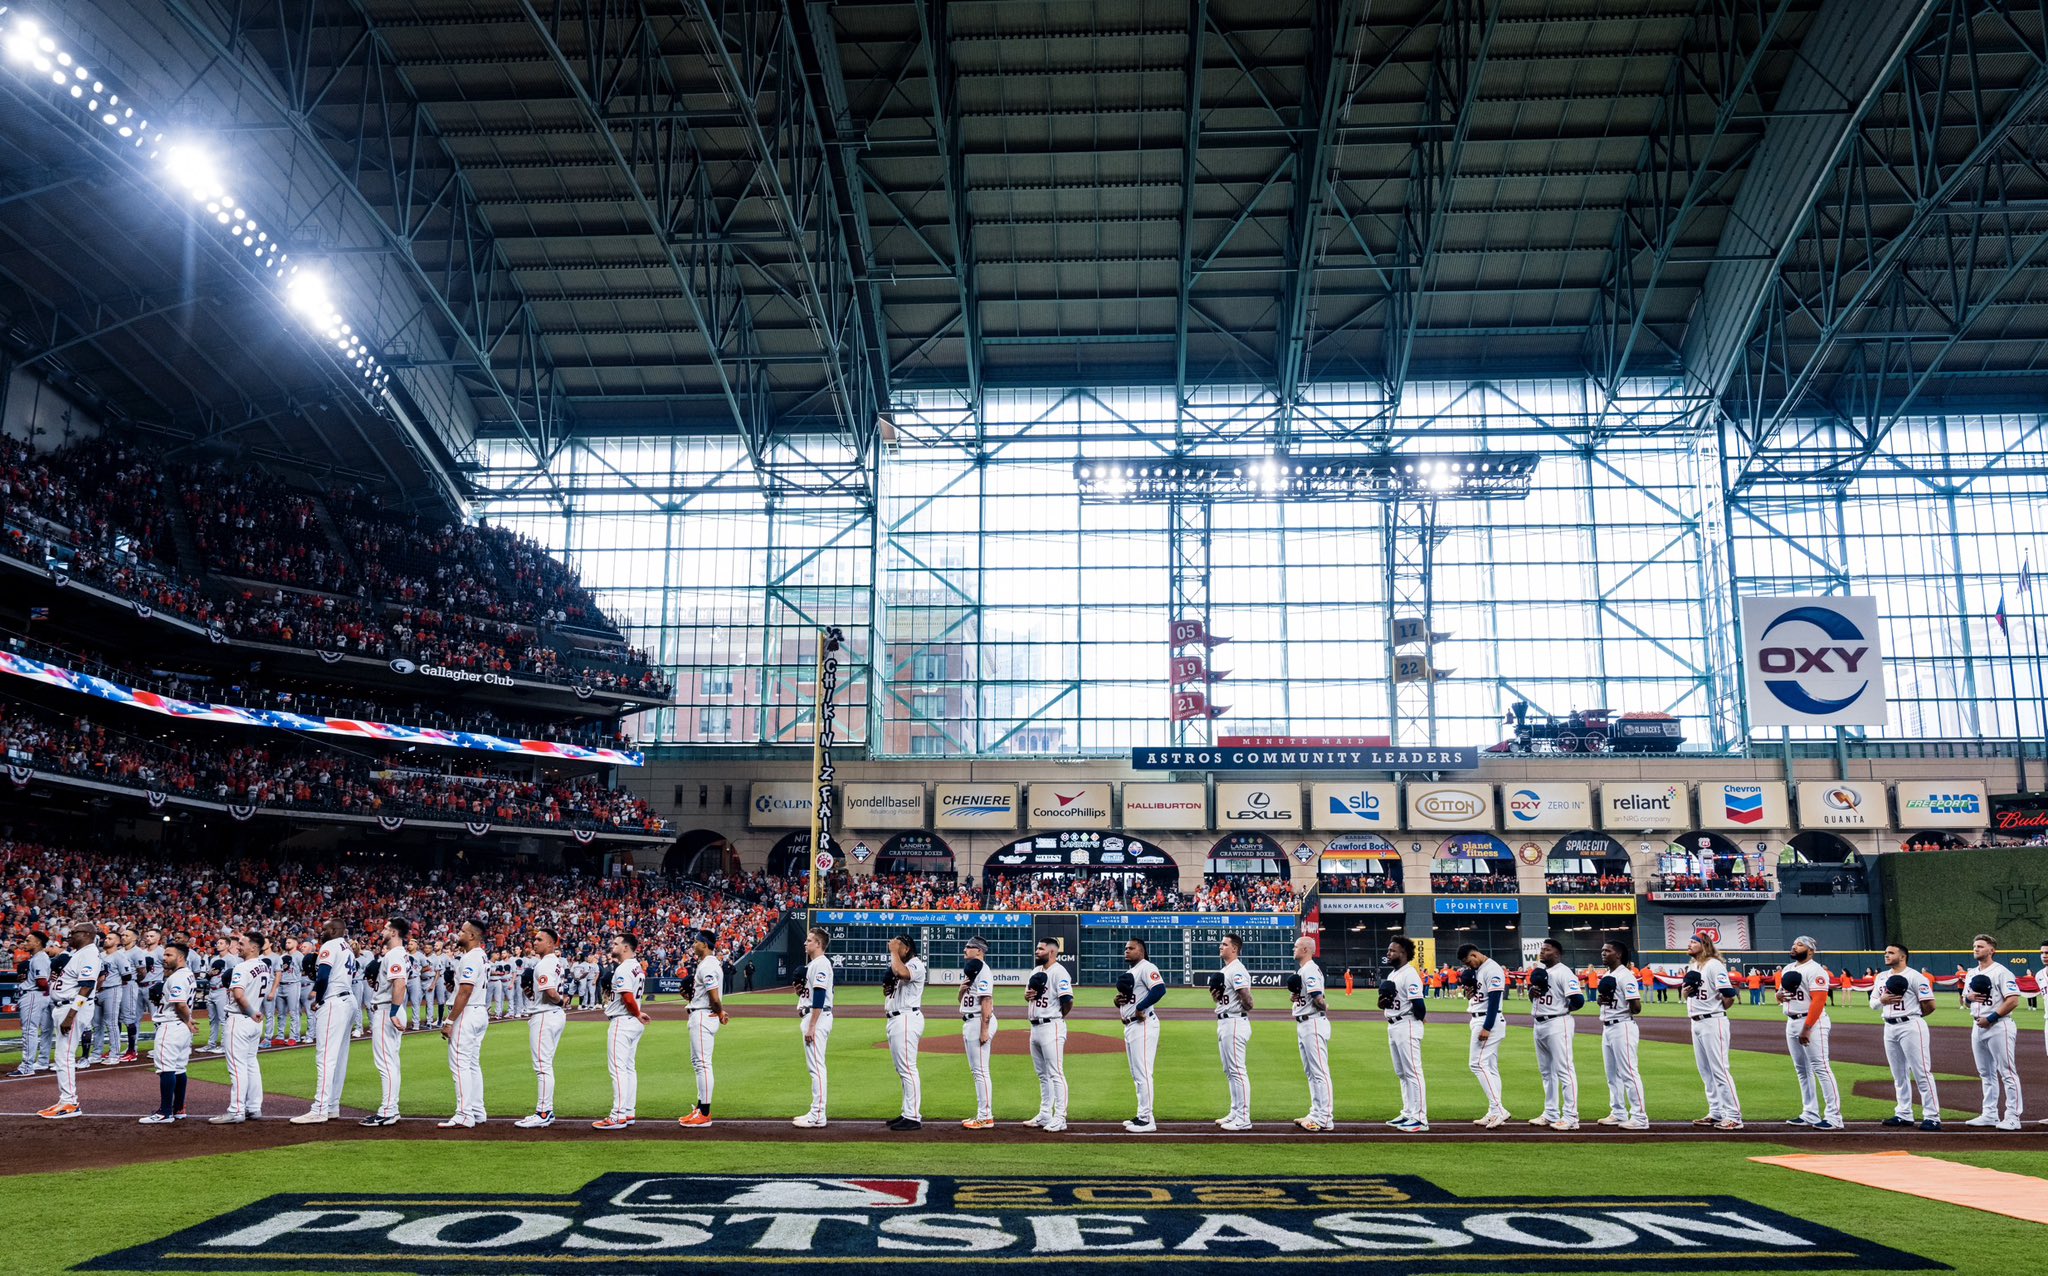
1999	615
39	613
2026	577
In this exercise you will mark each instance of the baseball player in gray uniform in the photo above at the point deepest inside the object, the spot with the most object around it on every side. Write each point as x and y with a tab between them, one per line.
107	997
978	1028
149	973
33	1001
1312	1036
1905	997
1554	994
131	997
1991	994
1138	990
1620	996
217	971
1402	1001
903	1003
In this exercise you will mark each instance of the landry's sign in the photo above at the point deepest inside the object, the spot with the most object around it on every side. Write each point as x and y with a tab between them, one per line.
2019	814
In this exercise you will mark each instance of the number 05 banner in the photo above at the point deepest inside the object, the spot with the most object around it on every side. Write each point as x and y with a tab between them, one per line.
1812	661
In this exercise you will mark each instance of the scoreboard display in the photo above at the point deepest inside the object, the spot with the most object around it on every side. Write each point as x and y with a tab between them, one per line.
1182	945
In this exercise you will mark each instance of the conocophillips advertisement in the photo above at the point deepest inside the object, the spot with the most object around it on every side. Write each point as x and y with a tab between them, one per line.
1066	806
974	806
1450	806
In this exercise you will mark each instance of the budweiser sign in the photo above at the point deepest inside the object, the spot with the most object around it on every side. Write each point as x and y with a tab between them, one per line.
2019	813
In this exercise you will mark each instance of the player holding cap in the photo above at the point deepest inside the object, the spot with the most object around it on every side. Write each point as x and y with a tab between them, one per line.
1554	993
248	990
549	1013
1621	1000
1991	994
814	1011
1803	993
172	1052
388	992
1486	986
978	1027
707	1015
1708	994
1402	1000
73	1002
903	1002
625	1023
334	1009
1231	989
1312	1036
1049	999
1138	990
1905	998
468	1020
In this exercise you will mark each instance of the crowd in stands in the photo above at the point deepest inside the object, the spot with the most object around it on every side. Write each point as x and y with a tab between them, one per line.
1589	883
1697	882
102	513
41	886
902	891
1502	883
1361	883
302	775
1133	894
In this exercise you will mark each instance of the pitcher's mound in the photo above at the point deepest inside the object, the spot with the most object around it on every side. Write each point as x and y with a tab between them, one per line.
1011	1040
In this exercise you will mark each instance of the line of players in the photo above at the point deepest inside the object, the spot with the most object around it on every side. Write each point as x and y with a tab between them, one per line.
344	989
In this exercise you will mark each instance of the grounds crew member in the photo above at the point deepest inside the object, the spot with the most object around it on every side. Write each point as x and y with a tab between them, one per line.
249	987
625	1023
903	1003
707	1014
1138	990
392	972
548	1014
73	1003
468	1019
1231	989
1620	996
1905	998
1708	994
978	1027
814	1012
1403	1000
1803	994
1048	1000
1554	994
1991	995
1485	984
1312	1036
334	1009
171	1052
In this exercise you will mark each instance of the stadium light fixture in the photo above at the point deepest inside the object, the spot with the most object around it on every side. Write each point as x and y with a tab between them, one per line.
189	167
1370	477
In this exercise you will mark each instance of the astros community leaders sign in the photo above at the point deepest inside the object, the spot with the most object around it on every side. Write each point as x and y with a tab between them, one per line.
1220	758
1379	1225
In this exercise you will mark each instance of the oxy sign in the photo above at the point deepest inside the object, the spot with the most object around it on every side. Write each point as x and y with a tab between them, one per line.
1812	661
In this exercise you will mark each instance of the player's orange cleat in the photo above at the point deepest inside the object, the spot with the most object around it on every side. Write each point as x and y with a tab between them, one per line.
977	1123
694	1121
59	1112
612	1123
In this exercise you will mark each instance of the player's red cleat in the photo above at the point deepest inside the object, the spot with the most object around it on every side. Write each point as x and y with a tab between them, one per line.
131	1057
694	1121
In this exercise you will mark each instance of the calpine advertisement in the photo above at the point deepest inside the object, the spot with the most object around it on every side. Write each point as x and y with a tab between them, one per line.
780	804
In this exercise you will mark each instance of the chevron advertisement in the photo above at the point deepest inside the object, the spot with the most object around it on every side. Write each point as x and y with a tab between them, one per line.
1536	805
1812	661
1660	804
1759	805
1942	804
974	806
1841	804
1067	806
1347	807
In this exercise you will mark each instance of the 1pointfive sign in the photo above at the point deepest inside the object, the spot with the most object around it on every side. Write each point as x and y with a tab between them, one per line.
1812	661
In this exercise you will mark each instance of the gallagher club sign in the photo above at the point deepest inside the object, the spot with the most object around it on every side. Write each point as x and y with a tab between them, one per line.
1379	1225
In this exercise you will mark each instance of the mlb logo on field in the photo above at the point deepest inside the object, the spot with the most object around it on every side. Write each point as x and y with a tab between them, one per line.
702	1191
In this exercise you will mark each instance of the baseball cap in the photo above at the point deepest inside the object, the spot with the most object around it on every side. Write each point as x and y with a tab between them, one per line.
976	942
708	937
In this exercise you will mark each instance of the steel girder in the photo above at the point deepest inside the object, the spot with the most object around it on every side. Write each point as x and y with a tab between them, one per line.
765	56
386	157
1682	166
943	80
1190	169
1866	307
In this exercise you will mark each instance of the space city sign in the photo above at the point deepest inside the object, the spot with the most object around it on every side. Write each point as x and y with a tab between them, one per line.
1204	1227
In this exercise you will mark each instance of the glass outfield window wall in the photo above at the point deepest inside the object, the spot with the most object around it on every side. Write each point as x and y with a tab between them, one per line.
993	611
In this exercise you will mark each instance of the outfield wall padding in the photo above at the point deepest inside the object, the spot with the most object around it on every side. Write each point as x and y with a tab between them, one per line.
1940	899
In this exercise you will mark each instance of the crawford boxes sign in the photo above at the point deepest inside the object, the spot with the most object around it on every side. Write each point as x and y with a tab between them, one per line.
1229	1225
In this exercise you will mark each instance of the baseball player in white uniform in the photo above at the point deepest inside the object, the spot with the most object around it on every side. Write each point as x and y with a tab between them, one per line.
73	1002
1803	996
1905	997
1708	994
903	1003
1403	1000
1048	1000
1138	990
218	968
468	1020
1485	988
334	1009
707	1014
625	1022
1554	995
978	1028
388	993
33	1002
1312	1036
1991	994
548	1013
1620	996
249	986
1231	989
172	1052
814	1013
416	982
365	963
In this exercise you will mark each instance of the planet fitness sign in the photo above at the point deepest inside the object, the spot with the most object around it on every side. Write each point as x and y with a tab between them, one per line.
1812	661
1379	1225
